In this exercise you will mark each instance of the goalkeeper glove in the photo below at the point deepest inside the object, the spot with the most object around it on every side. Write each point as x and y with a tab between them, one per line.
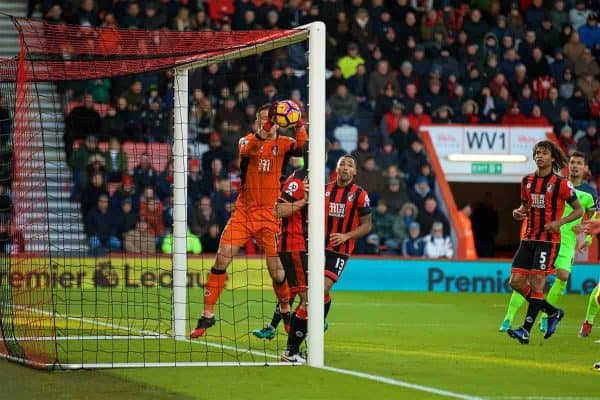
267	126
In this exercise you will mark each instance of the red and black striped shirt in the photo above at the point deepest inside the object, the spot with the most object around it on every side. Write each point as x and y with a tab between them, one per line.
344	205
294	228
545	197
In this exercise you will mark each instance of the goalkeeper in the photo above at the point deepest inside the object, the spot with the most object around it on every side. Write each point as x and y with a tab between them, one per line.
588	198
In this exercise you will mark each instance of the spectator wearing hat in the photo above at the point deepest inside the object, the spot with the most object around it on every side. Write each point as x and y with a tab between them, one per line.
101	227
589	33
394	194
469	113
413	245
442	115
127	190
350	61
419	191
127	218
406	215
548	36
343	106
437	244
447	63
566	85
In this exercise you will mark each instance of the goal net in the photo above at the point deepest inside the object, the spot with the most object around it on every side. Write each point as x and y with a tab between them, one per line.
121	152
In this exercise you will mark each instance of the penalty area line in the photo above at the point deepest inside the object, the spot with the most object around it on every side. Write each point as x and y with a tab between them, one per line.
395	382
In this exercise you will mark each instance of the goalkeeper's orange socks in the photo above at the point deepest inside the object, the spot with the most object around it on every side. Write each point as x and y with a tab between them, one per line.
212	290
282	291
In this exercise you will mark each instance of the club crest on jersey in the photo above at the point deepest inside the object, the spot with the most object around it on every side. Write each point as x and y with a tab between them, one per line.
549	188
275	150
529	186
337	210
350	196
292	187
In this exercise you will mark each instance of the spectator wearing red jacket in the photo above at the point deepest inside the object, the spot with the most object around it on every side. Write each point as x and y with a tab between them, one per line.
514	117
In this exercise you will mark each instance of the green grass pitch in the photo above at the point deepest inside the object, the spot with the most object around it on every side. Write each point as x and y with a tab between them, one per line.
447	342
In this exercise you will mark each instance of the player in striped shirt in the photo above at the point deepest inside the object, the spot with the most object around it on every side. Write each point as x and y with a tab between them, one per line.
544	196
348	217
568	242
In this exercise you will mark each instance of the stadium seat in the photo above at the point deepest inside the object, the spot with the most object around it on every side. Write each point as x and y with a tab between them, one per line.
160	153
133	150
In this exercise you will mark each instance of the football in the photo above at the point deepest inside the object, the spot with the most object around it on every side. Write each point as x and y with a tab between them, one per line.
288	114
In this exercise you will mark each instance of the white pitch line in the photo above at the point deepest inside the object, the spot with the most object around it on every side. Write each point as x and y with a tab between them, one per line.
541	398
146	333
101	337
395	382
376	378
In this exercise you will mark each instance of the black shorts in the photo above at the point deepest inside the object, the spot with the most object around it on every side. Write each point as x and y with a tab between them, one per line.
295	265
535	257
334	264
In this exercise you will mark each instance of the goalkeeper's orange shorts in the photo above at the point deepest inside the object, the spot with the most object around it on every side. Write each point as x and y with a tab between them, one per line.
247	223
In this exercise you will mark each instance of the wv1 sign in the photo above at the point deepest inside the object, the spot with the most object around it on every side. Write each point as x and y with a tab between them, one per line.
459	146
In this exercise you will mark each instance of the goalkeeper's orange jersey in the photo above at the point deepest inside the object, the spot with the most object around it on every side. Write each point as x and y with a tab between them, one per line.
263	163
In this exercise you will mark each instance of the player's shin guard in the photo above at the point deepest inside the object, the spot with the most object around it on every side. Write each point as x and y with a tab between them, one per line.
212	290
327	303
298	330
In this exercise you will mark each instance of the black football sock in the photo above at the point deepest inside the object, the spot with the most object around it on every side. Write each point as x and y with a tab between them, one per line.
298	331
548	308
533	310
276	317
327	305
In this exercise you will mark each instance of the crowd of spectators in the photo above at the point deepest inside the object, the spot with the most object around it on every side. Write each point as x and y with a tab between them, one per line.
393	65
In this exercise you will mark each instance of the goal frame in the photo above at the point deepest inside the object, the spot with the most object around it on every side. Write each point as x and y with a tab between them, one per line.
315	33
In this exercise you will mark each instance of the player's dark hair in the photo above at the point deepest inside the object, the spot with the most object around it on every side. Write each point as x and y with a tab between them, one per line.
580	154
348	155
560	160
265	106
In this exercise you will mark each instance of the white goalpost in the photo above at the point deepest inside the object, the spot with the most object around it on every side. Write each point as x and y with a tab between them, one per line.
316	213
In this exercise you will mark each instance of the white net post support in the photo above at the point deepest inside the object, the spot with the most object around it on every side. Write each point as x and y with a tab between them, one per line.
180	139
316	209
